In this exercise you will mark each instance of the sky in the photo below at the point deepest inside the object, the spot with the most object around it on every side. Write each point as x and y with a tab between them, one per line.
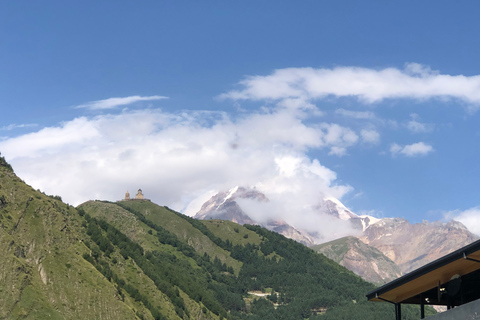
374	103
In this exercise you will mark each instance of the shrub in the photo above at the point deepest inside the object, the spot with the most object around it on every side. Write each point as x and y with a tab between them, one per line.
5	164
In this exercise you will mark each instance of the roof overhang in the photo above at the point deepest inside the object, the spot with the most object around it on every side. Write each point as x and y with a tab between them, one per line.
429	280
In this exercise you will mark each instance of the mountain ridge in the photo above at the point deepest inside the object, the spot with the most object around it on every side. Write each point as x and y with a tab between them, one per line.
391	236
139	260
366	261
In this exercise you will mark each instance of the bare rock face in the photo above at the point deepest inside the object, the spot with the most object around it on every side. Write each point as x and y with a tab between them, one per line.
366	261
411	246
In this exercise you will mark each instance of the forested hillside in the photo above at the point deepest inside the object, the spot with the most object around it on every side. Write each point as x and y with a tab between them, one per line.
138	260
247	259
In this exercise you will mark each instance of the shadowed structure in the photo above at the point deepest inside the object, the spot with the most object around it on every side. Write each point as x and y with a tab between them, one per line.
451	281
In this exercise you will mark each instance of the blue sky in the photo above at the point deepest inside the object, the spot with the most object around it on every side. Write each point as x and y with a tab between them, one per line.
375	103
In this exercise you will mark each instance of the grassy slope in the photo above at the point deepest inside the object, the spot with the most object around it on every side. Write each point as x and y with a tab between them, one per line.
183	230
232	231
336	249
235	233
127	269
43	274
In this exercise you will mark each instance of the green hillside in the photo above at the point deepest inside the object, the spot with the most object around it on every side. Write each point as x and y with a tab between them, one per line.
43	273
138	260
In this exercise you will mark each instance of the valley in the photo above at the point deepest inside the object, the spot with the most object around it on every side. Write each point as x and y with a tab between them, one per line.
139	260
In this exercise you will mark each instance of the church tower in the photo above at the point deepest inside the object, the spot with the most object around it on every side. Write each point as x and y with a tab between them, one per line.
139	195
127	196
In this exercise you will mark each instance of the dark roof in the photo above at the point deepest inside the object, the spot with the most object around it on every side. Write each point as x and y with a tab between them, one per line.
429	279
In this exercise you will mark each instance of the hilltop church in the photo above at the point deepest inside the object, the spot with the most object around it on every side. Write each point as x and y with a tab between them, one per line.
138	196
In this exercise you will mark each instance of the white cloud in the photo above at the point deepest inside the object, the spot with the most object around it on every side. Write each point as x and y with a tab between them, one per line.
356	114
17	126
415	126
368	85
411	150
111	103
304	217
338	138
298	103
417	149
294	192
338	151
395	148
177	157
470	218
370	136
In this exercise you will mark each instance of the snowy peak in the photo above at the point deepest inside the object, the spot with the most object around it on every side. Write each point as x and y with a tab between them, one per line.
223	205
335	208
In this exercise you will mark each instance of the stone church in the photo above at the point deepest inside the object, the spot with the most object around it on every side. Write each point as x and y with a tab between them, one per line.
138	196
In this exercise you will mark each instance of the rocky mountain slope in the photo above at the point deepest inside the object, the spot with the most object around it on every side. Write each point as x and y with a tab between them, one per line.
225	205
364	260
408	245
413	245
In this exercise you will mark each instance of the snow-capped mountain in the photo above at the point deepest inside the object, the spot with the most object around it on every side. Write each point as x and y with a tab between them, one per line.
335	208
224	206
408	245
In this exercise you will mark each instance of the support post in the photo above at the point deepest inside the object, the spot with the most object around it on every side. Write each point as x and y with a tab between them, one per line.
422	307
398	311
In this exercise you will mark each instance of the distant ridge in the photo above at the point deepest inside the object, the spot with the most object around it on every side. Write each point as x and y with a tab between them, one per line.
364	260
397	241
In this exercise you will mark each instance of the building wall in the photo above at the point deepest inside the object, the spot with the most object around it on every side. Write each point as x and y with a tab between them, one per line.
468	311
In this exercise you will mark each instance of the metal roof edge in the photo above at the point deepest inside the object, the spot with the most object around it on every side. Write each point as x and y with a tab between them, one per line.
440	262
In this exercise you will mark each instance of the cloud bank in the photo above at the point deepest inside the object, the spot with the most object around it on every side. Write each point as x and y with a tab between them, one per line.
177	157
415	81
181	158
